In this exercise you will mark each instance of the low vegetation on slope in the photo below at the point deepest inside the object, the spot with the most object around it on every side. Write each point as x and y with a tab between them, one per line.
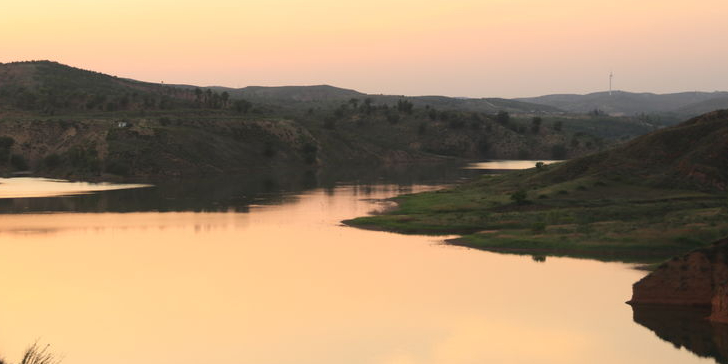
61	121
657	196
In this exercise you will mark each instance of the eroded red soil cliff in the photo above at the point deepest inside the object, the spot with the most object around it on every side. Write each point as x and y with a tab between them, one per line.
698	278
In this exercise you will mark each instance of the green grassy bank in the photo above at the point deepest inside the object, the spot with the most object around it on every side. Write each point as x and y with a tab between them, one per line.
592	217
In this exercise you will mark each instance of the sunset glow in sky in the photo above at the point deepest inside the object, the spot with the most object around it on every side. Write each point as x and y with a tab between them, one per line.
474	48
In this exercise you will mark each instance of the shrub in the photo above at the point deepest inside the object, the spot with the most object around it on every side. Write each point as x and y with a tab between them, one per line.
483	145
18	162
404	106
456	123
558	151
392	117
330	123
269	150
520	197
503	117
538	227
84	159
52	160
310	152
5	144
118	168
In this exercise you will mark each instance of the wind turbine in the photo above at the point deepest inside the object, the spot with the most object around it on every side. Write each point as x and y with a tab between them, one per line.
611	75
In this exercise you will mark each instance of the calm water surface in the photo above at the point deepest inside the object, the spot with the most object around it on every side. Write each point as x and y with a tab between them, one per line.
258	269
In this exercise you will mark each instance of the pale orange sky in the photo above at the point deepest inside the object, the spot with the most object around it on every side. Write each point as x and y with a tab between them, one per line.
471	48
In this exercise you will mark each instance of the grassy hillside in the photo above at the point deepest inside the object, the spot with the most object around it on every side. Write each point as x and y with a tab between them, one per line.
66	122
50	87
657	196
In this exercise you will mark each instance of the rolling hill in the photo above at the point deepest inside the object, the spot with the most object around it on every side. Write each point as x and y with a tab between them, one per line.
684	104
62	121
49	87
656	196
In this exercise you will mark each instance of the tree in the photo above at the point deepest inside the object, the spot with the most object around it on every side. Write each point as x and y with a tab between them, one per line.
558	152
540	165
536	124
225	96
354	103
432	114
368	105
309	152
208	97
5	144
404	106
242	106
503	117
558	125
483	145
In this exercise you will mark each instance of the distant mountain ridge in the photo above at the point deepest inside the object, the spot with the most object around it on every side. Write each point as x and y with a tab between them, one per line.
47	84
288	95
683	104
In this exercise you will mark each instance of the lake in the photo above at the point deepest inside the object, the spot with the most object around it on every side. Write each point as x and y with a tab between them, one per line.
258	269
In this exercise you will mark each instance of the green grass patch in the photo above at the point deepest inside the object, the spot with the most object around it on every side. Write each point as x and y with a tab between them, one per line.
606	220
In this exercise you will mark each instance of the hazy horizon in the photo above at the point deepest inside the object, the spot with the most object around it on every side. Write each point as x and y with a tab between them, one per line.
462	48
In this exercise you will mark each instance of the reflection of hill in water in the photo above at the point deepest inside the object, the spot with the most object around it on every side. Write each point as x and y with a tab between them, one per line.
686	327
238	192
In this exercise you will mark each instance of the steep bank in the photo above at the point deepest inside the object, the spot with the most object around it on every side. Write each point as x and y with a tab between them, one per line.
151	146
698	278
193	142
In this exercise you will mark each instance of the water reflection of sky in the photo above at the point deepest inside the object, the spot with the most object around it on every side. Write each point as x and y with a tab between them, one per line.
259	270
31	187
227	287
217	193
507	164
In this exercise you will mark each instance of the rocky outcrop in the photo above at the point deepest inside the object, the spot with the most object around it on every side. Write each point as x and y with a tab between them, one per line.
698	278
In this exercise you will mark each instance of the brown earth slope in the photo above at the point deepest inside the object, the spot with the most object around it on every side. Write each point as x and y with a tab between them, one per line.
698	278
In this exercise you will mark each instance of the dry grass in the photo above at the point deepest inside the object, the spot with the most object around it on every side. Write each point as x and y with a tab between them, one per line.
37	355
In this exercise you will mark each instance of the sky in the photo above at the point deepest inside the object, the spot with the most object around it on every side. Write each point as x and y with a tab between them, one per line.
469	48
